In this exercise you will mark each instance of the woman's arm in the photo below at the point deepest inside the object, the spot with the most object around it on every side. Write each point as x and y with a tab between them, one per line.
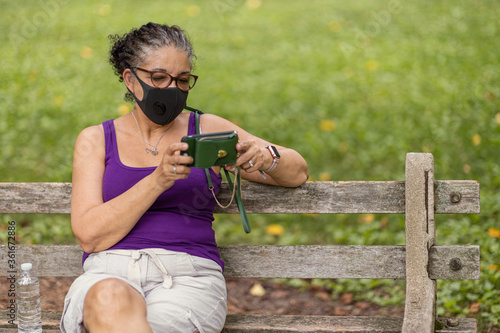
99	225
291	170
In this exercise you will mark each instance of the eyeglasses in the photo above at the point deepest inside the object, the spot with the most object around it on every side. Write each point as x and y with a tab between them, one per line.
162	80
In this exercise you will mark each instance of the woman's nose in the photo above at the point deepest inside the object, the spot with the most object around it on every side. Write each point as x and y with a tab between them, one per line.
173	84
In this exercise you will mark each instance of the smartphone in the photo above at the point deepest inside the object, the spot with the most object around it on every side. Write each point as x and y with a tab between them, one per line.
212	149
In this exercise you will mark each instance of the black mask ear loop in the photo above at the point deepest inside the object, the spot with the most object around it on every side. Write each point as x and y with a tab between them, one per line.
136	100
130	91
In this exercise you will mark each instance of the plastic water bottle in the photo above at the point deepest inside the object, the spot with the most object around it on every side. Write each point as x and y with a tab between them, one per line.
29	313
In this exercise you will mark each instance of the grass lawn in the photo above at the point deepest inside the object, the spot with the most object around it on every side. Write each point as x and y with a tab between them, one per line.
353	86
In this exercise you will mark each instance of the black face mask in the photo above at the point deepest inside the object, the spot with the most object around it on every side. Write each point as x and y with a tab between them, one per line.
161	106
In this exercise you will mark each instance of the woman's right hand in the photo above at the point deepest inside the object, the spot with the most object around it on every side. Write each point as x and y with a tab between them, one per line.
173	165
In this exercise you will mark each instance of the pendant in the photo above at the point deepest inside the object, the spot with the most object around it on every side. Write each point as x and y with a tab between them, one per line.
153	152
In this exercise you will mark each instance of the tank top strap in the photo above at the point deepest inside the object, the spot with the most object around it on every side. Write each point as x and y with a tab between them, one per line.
109	138
192	124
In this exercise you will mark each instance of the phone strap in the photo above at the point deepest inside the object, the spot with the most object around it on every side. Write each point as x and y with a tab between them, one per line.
235	188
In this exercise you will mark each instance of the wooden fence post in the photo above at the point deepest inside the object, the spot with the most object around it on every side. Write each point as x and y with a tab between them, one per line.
420	304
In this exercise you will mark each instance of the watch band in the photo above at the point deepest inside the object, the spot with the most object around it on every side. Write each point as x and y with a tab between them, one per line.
276	157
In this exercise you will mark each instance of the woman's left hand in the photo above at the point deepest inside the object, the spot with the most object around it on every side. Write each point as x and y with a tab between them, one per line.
254	156
251	156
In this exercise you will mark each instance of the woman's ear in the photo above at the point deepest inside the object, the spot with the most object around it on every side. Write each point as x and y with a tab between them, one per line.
129	79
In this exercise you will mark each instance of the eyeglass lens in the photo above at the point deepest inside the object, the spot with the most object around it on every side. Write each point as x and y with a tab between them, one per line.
163	80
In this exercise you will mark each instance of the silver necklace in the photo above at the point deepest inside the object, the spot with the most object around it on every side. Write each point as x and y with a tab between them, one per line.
153	151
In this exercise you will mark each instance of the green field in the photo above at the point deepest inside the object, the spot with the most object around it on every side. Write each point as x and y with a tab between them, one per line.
353	86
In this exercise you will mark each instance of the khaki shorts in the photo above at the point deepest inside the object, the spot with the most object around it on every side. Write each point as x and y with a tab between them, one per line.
183	293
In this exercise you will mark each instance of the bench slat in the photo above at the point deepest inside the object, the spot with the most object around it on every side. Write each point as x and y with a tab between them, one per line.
311	198
284	324
319	324
50	322
301	261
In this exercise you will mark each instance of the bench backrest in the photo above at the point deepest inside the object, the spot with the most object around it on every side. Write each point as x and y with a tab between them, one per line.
325	197
318	197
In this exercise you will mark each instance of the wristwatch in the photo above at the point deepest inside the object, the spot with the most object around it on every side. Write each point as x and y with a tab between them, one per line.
276	157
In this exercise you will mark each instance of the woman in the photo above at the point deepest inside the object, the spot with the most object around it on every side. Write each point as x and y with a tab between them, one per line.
142	216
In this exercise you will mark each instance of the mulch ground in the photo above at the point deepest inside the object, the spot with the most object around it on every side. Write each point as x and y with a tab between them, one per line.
277	298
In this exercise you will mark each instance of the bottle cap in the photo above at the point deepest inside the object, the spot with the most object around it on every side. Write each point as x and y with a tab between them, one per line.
26	266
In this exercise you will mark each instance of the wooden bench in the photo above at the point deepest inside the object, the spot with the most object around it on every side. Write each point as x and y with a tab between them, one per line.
421	262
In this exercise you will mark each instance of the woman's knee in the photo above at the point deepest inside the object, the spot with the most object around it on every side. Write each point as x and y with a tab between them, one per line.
113	296
112	305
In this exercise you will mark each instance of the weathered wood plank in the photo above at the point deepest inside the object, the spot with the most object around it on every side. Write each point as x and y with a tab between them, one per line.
319	324
349	262
420	304
457	196
285	324
325	197
46	329
310	198
454	262
314	261
302	261
47	260
50	321
35	197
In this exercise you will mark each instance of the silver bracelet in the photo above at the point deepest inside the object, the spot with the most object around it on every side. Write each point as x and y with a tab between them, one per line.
271	167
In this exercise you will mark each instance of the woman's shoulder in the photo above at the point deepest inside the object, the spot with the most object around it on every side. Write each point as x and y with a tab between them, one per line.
90	138
94	131
214	123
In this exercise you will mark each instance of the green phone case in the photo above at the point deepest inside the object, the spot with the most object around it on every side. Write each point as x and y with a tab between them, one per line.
211	149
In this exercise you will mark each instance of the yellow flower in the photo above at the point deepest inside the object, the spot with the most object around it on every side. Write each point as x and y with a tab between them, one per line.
124	109
334	26
86	52
494	267
192	10
327	125
343	146
426	149
367	218
497	118
476	139
254	4
383	222
33	74
275	230
324	176
467	168
371	65
348	73
104	10
58	100
494	232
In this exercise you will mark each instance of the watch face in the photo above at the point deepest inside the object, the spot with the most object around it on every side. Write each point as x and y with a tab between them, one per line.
275	151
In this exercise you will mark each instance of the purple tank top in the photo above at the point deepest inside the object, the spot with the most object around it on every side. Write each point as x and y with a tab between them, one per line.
179	220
